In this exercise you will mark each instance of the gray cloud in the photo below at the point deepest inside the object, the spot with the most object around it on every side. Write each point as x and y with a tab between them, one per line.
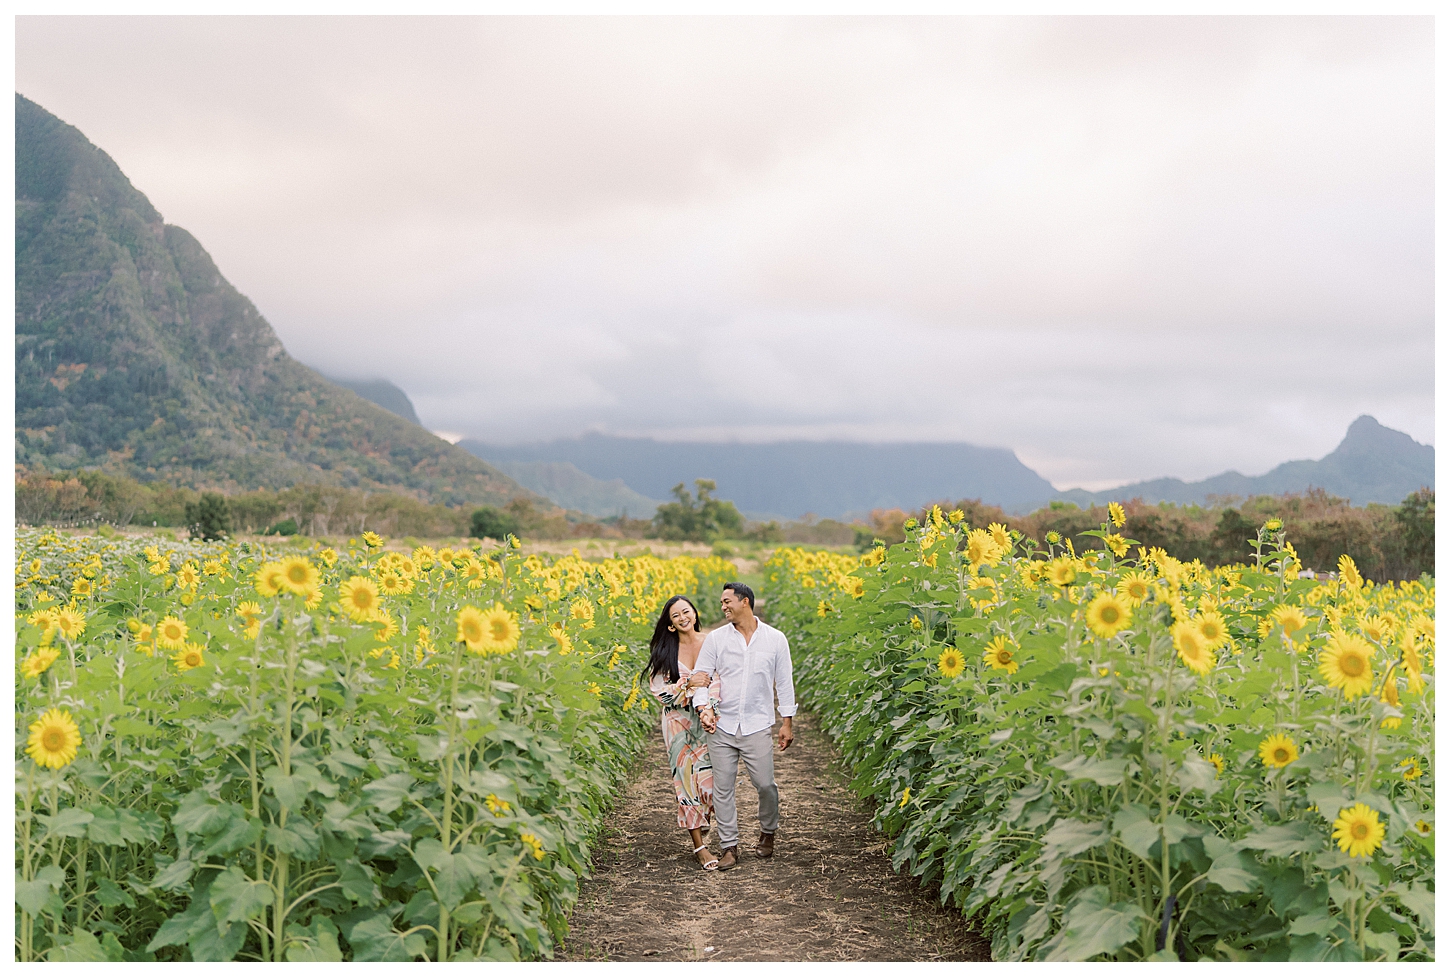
1124	247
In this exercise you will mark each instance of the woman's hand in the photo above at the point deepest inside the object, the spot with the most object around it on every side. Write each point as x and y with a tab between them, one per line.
707	719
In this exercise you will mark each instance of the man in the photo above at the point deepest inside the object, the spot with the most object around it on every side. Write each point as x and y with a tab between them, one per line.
753	661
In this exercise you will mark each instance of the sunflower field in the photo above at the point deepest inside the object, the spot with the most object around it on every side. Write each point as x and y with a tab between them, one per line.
1111	754
229	752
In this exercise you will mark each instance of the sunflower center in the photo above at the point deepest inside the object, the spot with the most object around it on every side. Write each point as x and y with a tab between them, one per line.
1352	665
193	659
1360	831
1004	655
1109	615
1281	755
499	630
54	739
472	632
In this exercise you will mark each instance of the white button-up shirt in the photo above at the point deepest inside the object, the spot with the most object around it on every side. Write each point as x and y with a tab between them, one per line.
751	676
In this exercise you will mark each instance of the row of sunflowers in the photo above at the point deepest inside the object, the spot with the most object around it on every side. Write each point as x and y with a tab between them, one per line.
1106	753
231	752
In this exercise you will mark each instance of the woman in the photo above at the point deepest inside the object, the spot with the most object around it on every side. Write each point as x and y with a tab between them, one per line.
674	649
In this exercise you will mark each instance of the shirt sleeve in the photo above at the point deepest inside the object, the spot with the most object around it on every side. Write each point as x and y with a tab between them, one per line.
669	693
784	683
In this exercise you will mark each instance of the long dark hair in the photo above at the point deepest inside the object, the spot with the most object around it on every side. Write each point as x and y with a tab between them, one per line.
664	646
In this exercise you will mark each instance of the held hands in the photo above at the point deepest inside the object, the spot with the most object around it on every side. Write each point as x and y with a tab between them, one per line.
707	719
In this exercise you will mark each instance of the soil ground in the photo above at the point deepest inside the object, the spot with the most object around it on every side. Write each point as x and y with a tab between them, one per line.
829	893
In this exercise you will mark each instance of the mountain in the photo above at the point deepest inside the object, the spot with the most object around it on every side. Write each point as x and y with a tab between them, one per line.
386	394
133	354
1372	464
573	489
788	479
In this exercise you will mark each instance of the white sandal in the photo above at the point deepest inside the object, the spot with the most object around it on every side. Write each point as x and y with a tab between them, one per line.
710	865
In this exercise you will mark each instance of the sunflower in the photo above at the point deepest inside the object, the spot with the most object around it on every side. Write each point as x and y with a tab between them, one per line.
1116	543
1217	760
81	587
1349	573
1000	655
1274	525
188	576
54	739
1116	514
359	598
299	575
1377	628
1062	571
1423	828
1000	534
1192	649
70	622
557	632
38	661
393	582
1358	830
497	806
1107	614
1289	618
249	611
1345	664
981	548
951	662
1212	629
389	629
424	557
1278	751
536	847
213	568
328	555
189	657
1411	768
269	579
499	630
43	619
171	633
373	540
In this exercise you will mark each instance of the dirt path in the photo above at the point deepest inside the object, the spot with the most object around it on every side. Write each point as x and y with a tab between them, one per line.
828	894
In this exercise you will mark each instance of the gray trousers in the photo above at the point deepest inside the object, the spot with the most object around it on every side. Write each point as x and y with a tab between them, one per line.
757	750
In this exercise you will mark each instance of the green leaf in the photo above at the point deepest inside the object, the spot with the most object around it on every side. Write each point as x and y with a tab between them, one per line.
313	944
375	938
32	895
291	792
115	827
1285	839
83	947
450	876
1108	773
1092	926
175	875
1328	797
1320	924
217	943
237	833
1234	871
1418	899
1136	829
69	822
1070	836
296	838
236	898
198	814
388	793
357	883
110	894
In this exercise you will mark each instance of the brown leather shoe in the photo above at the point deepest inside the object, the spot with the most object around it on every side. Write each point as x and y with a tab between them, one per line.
765	845
729	858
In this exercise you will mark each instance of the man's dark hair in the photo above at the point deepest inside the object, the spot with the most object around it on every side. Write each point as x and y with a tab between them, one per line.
742	590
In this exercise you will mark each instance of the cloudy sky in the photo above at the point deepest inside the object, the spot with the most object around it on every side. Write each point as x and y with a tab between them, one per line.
1122	247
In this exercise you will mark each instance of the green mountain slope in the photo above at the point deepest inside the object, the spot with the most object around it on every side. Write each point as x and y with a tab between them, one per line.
386	394
1372	464
134	355
574	489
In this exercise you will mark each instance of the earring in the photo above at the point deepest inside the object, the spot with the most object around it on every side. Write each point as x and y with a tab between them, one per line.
672	627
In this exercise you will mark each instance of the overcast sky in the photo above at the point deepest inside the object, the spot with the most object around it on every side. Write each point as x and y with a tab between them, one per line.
1122	247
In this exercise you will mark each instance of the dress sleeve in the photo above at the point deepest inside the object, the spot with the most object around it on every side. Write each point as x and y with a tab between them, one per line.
671	694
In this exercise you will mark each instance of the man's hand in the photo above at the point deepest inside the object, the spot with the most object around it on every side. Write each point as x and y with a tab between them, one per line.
707	719
699	680
786	737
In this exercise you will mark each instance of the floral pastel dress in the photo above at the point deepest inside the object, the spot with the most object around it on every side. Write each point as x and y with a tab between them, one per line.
685	743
